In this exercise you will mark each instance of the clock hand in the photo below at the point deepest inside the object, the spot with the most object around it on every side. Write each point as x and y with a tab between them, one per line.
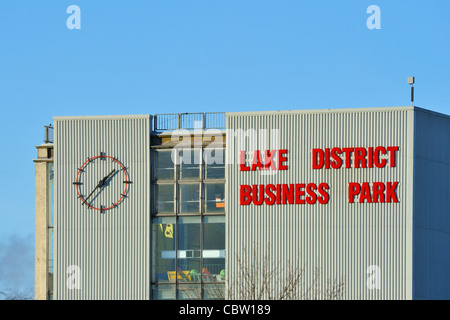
90	194
100	184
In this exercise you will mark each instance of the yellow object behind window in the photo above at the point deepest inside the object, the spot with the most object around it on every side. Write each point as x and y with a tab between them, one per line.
183	275
169	231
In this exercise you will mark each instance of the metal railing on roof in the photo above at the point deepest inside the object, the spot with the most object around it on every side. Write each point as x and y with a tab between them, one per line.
189	121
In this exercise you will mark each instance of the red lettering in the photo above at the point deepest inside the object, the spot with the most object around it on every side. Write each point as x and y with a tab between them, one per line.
348	156
392	155
337	163
288	193
318	158
390	192
257	201
360	158
365	193
299	193
378	192
370	157
284	194
353	190
281	159
379	163
257	161
323	199
268	160
327	158
312	198
270	200
242	162
245	195
278	193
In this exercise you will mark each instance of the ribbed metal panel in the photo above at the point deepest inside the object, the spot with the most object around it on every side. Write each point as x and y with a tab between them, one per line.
431	205
339	239
111	249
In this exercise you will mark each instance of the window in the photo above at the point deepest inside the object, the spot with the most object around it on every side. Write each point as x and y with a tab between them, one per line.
190	198
163	248
188	253
215	197
163	292
215	163
164	169
213	253
188	248
188	224
164	196
189	161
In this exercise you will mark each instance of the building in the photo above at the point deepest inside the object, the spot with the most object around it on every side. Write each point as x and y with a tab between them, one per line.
345	203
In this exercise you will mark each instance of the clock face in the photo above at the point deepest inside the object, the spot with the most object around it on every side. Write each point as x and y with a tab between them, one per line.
102	183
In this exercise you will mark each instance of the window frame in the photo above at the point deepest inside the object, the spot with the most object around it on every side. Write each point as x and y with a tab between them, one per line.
202	213
202	181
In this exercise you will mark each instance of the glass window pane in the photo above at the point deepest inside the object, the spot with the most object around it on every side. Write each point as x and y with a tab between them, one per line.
215	163
215	197
190	198
163	263
163	292
164	198
189	291
164	166
214	291
214	249
190	160
188	250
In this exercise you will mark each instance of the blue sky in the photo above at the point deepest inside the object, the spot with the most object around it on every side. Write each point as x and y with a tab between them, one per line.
157	56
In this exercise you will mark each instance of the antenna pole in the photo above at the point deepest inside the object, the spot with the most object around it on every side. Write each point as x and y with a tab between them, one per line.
411	81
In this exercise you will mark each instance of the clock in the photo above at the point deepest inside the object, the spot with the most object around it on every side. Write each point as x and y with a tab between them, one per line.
102	183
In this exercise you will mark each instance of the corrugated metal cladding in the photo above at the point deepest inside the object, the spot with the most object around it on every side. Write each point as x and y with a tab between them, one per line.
431	205
337	241
102	255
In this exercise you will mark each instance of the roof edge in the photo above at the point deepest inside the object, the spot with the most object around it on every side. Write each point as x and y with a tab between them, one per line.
431	112
102	117
341	110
